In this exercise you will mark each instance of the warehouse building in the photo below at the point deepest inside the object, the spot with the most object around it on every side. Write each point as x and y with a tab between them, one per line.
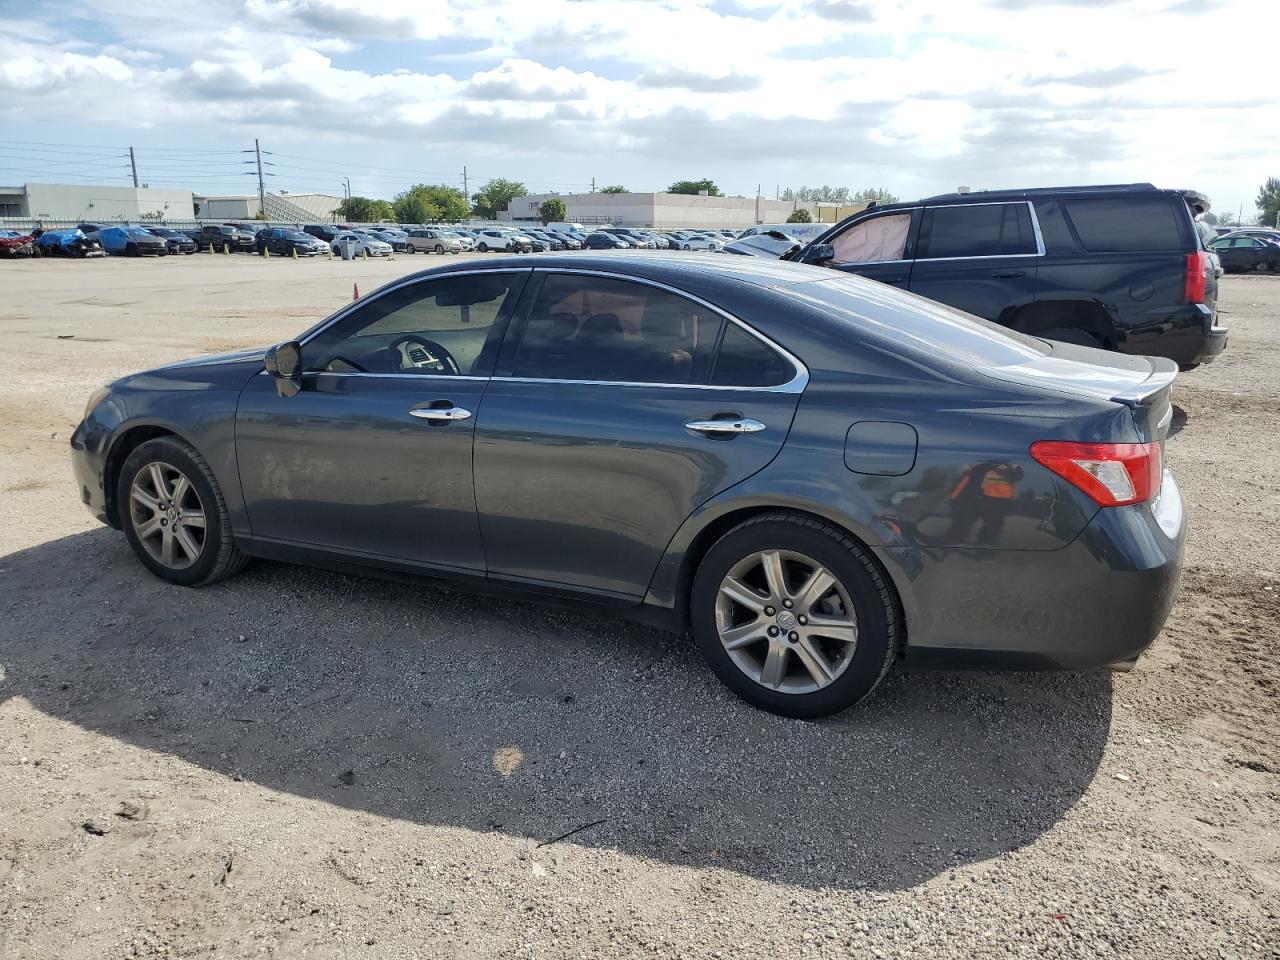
660	210
65	201
288	207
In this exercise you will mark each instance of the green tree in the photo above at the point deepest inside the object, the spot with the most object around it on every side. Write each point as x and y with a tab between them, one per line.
364	210
1211	219
616	188
410	208
800	215
1269	201
552	209
495	196
428	203
695	187
877	194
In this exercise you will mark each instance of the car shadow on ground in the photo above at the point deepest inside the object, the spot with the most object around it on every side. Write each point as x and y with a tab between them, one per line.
444	708
1177	421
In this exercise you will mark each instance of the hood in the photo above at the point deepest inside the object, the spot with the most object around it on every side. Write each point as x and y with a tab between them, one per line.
772	244
238	356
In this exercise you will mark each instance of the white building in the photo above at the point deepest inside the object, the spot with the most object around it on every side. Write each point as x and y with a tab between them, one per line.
661	210
64	201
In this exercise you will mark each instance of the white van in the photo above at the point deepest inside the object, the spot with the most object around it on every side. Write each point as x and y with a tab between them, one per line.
804	232
565	226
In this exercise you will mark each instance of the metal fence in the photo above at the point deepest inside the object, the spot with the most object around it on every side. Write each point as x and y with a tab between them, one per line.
21	224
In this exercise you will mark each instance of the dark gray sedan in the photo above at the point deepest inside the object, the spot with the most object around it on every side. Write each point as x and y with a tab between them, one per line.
811	472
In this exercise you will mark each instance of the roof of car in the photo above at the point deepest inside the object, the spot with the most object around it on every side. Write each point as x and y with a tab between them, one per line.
662	265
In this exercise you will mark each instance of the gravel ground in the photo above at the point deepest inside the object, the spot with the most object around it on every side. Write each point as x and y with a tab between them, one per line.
299	763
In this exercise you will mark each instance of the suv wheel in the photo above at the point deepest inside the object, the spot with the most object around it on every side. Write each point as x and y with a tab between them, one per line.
483	248
174	516
440	249
794	616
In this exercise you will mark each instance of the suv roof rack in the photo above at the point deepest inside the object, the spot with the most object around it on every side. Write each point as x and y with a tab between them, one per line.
1047	191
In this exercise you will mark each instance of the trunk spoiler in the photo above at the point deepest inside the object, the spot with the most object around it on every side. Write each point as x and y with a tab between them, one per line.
1163	373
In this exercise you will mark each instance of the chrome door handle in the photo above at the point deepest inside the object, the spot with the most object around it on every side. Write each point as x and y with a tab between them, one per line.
440	414
740	425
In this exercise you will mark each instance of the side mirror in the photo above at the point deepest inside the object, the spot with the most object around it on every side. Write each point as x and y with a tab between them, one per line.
284	363
819	253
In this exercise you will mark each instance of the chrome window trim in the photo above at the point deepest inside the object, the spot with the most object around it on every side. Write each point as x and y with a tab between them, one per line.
795	385
1035	227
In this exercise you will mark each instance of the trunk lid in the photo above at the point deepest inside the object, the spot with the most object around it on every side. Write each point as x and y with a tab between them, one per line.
1144	384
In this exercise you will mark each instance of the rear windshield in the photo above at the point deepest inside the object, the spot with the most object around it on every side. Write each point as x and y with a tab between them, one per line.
1126	224
925	324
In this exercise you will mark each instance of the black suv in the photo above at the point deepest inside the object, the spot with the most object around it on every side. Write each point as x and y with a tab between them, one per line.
226	235
1118	266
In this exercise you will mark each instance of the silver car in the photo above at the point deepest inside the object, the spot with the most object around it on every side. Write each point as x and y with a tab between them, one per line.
361	243
433	240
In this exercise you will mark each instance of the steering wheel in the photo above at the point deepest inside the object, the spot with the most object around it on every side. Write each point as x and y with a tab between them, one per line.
418	353
345	362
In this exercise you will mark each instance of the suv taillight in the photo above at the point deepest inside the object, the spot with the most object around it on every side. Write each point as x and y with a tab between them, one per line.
1197	269
1112	474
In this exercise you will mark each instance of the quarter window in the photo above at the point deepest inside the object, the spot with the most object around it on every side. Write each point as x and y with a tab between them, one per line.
746	361
598	328
874	240
1126	224
976	230
450	326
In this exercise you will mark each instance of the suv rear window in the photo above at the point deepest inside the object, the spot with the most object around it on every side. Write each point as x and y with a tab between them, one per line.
976	230
1125	224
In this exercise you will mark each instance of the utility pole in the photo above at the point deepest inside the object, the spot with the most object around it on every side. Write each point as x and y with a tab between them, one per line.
346	187
262	190
133	162
758	220
593	184
466	190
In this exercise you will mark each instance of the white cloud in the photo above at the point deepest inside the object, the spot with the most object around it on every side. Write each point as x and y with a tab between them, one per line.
918	95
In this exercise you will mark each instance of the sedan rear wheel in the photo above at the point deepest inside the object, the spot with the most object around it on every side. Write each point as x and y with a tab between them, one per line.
440	249
174	515
794	616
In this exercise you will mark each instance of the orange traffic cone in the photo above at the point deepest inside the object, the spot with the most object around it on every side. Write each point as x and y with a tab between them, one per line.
355	291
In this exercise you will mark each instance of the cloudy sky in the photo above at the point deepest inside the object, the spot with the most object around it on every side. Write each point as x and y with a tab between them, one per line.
914	95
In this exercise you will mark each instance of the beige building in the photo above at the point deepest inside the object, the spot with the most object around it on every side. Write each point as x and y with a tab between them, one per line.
66	201
660	210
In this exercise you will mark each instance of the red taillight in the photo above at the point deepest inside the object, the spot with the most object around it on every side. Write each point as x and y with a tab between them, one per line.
1112	474
1197	269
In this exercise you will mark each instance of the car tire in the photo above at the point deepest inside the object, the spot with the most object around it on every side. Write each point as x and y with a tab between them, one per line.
483	248
1081	338
217	556
860	604
687	247
440	249
131	250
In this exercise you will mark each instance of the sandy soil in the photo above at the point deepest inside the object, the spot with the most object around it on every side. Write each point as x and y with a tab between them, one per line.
298	763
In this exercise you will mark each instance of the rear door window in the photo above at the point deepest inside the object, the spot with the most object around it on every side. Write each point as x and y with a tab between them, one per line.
1126	224
584	327
976	230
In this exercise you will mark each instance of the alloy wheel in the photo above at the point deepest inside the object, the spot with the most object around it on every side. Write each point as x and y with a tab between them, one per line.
167	515
786	621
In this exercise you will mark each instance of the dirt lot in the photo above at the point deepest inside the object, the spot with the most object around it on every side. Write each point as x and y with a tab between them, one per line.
298	763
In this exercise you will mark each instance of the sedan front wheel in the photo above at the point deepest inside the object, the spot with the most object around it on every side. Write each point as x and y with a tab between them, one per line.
794	616
174	516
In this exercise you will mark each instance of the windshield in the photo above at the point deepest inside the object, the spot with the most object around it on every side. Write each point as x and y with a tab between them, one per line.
925	324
